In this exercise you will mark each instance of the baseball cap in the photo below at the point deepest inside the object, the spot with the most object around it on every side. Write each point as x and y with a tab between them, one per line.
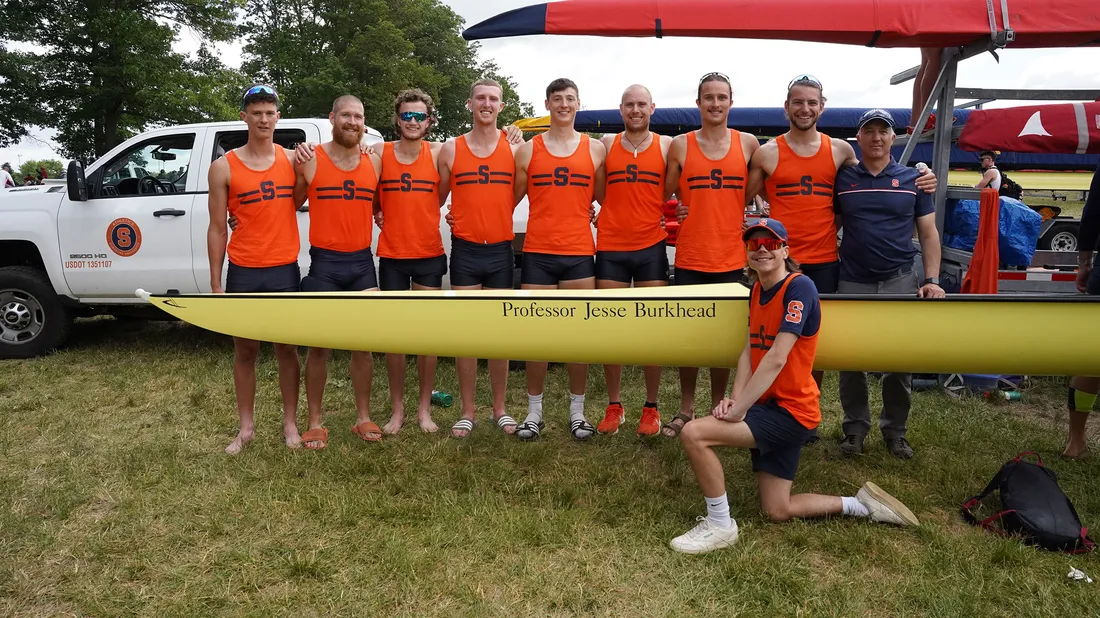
771	225
876	114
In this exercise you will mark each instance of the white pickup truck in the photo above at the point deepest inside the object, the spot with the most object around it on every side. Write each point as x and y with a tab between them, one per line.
136	218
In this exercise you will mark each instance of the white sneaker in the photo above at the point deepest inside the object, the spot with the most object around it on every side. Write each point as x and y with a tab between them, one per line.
884	507
706	536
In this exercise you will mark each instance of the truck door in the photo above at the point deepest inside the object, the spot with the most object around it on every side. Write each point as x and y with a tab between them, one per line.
134	230
220	143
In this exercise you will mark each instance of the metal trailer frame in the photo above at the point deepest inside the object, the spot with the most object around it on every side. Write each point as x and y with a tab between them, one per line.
1051	272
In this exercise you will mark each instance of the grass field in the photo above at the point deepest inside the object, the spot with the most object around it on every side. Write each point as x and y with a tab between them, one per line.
118	501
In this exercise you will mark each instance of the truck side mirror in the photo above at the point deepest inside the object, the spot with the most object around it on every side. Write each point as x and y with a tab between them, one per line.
76	183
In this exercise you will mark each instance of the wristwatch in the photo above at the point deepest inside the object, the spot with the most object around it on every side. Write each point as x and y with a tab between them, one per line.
932	280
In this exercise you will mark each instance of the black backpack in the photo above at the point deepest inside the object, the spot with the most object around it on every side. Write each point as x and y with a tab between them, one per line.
1010	188
1034	507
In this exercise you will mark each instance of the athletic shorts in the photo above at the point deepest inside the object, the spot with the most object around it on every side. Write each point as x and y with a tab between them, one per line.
779	440
491	266
685	276
649	264
285	278
825	276
339	271
395	274
551	269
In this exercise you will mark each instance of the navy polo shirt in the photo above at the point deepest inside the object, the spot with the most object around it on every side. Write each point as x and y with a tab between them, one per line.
878	214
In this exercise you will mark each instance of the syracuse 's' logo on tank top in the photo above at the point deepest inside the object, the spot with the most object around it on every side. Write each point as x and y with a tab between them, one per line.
632	175
407	183
761	340
561	177
805	186
716	181
348	191
483	176
268	191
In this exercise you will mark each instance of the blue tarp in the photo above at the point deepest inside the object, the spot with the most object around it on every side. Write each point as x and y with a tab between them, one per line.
840	122
1018	228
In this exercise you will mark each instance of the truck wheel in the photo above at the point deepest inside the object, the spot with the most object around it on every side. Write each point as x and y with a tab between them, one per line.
1060	237
33	321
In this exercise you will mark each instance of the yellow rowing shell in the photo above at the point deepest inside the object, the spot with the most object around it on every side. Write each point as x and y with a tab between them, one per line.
702	326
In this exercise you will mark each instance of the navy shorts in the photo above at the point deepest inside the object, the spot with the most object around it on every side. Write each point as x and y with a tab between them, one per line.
396	274
491	266
243	279
551	269
340	271
825	276
779	440
649	264
698	277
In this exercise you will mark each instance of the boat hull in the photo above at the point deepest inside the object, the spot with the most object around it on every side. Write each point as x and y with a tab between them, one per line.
703	326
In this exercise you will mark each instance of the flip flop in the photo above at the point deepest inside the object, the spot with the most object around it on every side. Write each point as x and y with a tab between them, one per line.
676	430
529	431
367	427
315	435
463	424
580	425
506	421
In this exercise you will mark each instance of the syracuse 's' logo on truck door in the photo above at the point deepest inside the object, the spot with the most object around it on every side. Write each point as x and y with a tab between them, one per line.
124	237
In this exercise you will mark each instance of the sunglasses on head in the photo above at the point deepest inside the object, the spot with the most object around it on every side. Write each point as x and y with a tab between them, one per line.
807	79
768	242
410	116
712	75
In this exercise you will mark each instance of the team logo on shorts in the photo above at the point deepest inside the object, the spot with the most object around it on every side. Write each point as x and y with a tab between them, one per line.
894	183
124	237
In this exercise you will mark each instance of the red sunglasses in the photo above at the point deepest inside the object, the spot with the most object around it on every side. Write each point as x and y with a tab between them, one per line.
771	244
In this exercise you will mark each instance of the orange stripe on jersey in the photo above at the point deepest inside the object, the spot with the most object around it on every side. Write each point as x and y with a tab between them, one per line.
409	196
634	204
263	203
482	199
709	240
560	192
794	389
800	191
340	205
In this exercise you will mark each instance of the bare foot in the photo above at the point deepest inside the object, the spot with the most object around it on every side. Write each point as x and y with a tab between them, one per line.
237	445
394	426
1075	451
292	437
427	425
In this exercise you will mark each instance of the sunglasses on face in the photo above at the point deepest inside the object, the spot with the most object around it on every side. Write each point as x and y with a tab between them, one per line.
410	116
769	243
807	79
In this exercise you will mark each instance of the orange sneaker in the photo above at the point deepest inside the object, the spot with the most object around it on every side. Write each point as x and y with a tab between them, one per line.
651	422
612	418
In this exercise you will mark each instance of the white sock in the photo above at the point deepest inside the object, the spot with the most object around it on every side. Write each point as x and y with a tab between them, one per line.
853	507
534	408
576	407
718	511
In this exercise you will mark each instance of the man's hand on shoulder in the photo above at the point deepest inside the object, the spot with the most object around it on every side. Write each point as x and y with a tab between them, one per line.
513	134
303	152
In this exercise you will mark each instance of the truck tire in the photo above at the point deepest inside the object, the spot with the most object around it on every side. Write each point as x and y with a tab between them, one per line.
33	321
1060	237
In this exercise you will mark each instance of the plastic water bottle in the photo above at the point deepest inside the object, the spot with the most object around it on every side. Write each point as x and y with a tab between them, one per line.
922	167
442	399
1006	395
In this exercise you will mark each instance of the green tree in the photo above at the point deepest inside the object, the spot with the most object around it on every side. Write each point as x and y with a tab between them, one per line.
104	70
313	51
30	168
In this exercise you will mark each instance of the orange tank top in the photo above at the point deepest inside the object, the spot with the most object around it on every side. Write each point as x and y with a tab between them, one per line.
410	206
709	240
482	198
560	192
634	203
341	204
801	192
263	203
794	389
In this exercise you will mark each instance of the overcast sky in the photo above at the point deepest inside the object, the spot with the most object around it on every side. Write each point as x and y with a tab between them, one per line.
760	70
